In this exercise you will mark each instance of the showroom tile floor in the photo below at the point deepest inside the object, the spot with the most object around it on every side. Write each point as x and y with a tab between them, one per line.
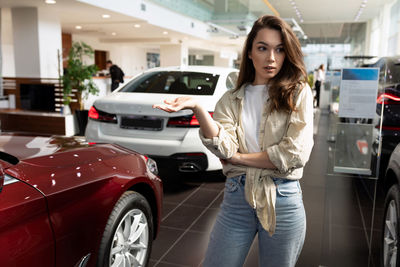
339	216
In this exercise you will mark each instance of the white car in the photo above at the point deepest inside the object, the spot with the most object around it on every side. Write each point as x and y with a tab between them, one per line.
126	116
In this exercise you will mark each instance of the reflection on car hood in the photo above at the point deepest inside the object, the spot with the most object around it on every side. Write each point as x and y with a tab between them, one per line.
25	146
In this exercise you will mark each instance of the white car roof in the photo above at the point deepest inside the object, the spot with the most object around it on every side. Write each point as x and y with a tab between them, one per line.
206	69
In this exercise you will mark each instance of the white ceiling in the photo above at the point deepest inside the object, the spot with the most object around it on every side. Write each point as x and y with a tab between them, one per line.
322	11
322	19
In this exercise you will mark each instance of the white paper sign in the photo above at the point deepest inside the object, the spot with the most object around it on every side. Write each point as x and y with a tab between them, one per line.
358	92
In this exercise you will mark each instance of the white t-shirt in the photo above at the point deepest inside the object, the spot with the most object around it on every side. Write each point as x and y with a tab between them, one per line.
254	98
320	75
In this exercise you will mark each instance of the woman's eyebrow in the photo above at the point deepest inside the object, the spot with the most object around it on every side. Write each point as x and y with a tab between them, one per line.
264	43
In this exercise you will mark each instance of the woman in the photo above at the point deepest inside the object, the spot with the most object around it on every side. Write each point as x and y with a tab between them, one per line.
262	132
320	78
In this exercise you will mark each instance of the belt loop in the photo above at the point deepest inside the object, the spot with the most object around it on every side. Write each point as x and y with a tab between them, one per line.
242	179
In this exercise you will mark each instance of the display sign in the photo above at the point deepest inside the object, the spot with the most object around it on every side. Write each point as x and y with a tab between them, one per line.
358	92
353	148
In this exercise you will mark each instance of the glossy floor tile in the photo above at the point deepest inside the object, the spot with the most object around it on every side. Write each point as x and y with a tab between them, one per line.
340	215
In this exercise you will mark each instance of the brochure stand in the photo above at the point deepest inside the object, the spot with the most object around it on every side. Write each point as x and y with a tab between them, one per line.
354	144
354	127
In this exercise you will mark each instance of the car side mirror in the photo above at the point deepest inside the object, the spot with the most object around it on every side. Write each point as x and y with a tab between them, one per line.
1	179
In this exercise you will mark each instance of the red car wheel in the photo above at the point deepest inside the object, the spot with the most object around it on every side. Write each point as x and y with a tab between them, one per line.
128	235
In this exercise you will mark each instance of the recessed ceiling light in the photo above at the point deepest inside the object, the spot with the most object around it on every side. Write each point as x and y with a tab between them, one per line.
113	33
50	2
105	16
136	25
165	32
78	27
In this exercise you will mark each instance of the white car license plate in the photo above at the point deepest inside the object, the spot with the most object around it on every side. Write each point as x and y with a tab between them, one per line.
142	123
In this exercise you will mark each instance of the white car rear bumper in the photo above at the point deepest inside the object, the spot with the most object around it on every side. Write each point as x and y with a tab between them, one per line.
191	143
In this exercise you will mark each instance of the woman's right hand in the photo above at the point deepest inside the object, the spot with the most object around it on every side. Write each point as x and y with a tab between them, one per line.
180	103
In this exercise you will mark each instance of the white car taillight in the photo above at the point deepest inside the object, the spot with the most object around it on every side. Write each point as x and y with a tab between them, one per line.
102	116
185	121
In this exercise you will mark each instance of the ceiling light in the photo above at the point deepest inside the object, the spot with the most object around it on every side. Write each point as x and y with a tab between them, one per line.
241	27
165	32
297	11
136	25
50	2
105	16
114	33
78	27
361	9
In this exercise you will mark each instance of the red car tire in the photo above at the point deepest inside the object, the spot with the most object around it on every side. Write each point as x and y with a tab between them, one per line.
128	234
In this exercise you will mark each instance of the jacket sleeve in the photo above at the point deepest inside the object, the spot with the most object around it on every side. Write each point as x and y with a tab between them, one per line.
294	150
225	145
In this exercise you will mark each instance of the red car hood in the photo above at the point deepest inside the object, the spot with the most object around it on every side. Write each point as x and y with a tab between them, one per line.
26	147
53	164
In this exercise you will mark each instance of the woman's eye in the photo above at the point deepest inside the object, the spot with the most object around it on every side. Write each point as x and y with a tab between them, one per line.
262	48
279	50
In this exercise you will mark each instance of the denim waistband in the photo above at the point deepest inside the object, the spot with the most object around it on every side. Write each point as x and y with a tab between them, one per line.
282	180
276	180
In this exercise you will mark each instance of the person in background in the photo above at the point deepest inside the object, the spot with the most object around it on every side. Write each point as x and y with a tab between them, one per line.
320	78
117	75
263	133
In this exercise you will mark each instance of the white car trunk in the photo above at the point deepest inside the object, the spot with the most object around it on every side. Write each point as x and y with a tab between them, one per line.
136	108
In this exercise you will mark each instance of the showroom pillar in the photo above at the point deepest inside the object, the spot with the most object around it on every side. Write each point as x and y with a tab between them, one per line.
37	43
174	55
7	45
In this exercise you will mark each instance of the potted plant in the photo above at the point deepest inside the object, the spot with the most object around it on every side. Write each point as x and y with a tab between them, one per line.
78	75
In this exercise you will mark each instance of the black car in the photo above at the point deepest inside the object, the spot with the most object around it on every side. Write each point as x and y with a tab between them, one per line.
391	223
388	99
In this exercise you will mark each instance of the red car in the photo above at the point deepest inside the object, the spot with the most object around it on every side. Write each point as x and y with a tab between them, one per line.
64	202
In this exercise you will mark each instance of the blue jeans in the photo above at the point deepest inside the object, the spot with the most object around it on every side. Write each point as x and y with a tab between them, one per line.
237	225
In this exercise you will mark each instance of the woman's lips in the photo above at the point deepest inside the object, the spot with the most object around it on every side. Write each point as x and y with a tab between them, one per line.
269	69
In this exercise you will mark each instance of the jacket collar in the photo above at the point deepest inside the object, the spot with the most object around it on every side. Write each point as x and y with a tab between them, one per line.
239	94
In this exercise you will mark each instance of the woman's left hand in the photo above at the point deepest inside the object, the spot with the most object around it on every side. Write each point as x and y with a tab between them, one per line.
177	104
235	159
257	160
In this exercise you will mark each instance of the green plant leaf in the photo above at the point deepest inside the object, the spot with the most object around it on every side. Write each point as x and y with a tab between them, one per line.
78	75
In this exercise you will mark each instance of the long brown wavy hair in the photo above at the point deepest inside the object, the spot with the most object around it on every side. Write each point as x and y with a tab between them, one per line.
282	87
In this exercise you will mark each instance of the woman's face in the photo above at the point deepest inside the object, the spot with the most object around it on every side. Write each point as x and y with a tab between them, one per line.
267	54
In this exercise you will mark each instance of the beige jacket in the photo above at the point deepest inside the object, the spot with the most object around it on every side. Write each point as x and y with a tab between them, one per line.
287	137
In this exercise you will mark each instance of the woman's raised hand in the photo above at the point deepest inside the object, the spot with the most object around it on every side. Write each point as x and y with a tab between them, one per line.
207	124
180	103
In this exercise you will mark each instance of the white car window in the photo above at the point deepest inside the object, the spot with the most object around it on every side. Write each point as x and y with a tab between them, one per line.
173	82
